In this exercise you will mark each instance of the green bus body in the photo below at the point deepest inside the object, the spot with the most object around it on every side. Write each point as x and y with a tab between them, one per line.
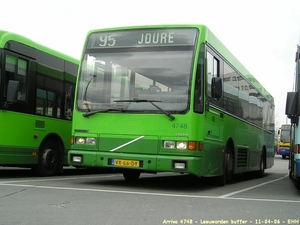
169	98
36	91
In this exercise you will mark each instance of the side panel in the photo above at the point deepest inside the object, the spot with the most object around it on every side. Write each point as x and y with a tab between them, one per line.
21	136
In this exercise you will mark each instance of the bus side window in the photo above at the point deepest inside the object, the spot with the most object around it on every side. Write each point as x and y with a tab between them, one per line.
21	77
69	100
210	72
16	69
213	71
213	66
231	90
10	69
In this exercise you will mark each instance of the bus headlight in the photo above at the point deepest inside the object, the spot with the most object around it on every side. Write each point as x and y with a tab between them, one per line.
90	141
169	144
85	140
80	140
181	145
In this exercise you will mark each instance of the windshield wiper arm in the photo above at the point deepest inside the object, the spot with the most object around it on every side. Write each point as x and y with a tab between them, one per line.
90	113
85	92
151	102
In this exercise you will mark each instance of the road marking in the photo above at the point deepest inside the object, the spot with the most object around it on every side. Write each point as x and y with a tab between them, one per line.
66	178
54	179
250	188
223	197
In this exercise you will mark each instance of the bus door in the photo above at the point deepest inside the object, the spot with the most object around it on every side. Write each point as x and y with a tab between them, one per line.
214	99
213	155
16	69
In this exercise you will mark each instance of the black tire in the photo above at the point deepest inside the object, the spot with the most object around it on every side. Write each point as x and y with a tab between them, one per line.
297	183
261	172
291	166
230	164
131	175
220	180
49	158
227	170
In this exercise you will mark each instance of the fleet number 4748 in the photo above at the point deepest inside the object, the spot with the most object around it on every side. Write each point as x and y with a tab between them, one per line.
180	125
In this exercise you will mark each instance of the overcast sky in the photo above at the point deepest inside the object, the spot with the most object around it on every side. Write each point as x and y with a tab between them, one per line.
262	34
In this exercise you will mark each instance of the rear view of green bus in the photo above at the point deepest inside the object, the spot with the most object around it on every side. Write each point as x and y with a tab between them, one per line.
36	91
169	99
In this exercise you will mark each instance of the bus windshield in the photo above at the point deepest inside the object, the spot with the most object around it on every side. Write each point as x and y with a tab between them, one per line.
149	73
285	133
109	77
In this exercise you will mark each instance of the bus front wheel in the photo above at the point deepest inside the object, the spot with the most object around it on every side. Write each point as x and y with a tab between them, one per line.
261	172
48	158
227	170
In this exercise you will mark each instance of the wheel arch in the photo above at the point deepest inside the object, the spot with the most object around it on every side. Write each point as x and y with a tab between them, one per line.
56	138
230	147
230	150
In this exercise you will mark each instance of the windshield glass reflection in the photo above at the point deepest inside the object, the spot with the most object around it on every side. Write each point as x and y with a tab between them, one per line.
163	76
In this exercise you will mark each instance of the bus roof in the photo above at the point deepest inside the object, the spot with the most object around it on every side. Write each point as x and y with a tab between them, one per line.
6	36
210	38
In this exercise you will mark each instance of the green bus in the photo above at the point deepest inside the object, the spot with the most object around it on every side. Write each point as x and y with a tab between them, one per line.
169	98
36	91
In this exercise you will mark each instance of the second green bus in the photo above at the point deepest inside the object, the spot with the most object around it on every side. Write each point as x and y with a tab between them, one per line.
36	90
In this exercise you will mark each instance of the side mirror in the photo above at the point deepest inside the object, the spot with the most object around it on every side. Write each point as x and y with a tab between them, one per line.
291	107
69	100
12	91
216	87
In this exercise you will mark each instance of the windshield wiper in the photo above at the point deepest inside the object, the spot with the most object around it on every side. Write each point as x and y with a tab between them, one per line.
89	113
151	102
85	92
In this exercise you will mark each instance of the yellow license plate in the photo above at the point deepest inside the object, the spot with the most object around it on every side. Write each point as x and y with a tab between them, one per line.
128	163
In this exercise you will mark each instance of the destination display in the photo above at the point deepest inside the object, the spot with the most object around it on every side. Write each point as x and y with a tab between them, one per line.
143	38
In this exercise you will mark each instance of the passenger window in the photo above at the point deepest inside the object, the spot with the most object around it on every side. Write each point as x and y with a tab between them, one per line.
16	69
21	77
213	70
213	66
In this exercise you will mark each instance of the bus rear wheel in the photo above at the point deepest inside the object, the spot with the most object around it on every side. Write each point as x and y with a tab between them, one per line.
131	175
48	159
